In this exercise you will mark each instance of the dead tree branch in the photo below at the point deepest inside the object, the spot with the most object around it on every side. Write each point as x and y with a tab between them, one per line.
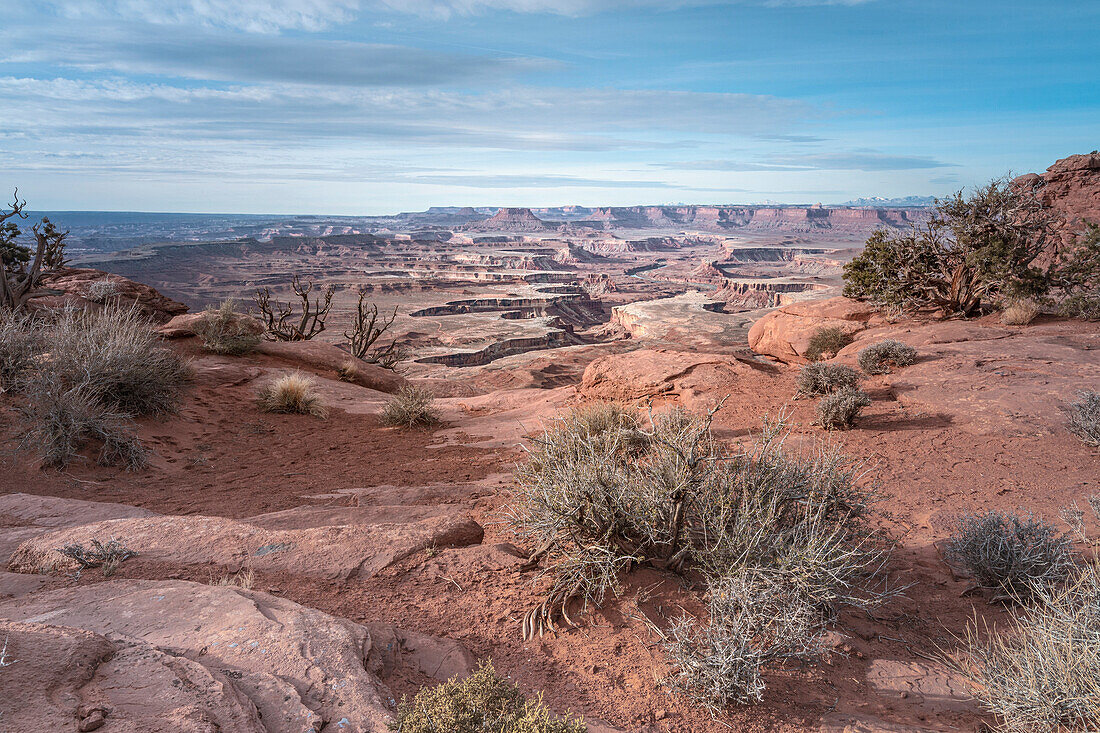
367	328
279	317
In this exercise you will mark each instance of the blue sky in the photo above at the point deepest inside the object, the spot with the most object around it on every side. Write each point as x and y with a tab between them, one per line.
375	106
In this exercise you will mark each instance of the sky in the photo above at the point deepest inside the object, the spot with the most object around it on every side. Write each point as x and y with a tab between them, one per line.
377	106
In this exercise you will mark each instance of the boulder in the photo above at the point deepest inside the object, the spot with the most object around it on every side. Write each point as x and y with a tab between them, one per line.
785	333
326	357
645	373
332	551
181	656
69	286
187	324
1072	188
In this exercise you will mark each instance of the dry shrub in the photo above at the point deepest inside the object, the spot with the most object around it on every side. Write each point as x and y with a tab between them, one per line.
754	622
20	347
839	410
1084	418
1019	313
1013	555
820	379
825	343
108	555
101	291
482	702
348	372
223	330
293	393
62	420
1044	674
411	407
602	492
243	579
878	358
115	356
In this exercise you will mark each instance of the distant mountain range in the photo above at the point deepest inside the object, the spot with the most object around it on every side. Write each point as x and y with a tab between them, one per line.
880	201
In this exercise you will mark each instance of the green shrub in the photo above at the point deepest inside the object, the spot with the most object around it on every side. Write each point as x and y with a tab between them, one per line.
1010	554
1044	674
484	702
820	379
225	331
1084	418
825	343
839	410
411	407
878	358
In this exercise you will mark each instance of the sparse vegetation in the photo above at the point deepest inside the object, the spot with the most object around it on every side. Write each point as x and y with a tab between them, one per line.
280	321
482	702
839	410
243	579
1084	418
1014	556
1077	278
293	393
20	347
223	330
1019	312
820	379
101	291
754	622
1044	674
108	555
348	372
825	343
879	358
411	407
367	328
20	267
602	492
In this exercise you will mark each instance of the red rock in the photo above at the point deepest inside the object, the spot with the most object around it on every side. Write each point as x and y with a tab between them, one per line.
186	324
69	286
784	334
1072	188
646	373
319	355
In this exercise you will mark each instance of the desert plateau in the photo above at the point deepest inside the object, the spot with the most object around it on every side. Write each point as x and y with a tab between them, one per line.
560	447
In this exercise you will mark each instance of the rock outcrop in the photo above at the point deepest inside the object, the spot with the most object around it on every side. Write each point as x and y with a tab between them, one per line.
1072	188
784	334
69	286
646	373
325	357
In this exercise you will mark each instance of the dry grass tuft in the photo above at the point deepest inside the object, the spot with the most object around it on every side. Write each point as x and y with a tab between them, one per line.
243	579
20	346
1019	313
294	393
223	330
348	372
821	379
411	407
101	291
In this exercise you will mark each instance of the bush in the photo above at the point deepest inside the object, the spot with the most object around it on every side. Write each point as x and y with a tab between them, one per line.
600	493
821	379
411	407
1019	313
20	347
1012	555
293	393
825	343
878	358
108	555
1084	418
1045	674
482	702
114	356
101	291
62	420
840	410
224	331
1081	305
755	621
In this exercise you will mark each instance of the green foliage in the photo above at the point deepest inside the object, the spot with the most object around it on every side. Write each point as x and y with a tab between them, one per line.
484	702
825	343
1078	276
13	255
975	248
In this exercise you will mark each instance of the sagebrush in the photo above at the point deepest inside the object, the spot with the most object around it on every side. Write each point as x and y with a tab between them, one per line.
820	379
411	407
879	358
101	291
484	702
21	344
1013	555
1084	418
839	410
